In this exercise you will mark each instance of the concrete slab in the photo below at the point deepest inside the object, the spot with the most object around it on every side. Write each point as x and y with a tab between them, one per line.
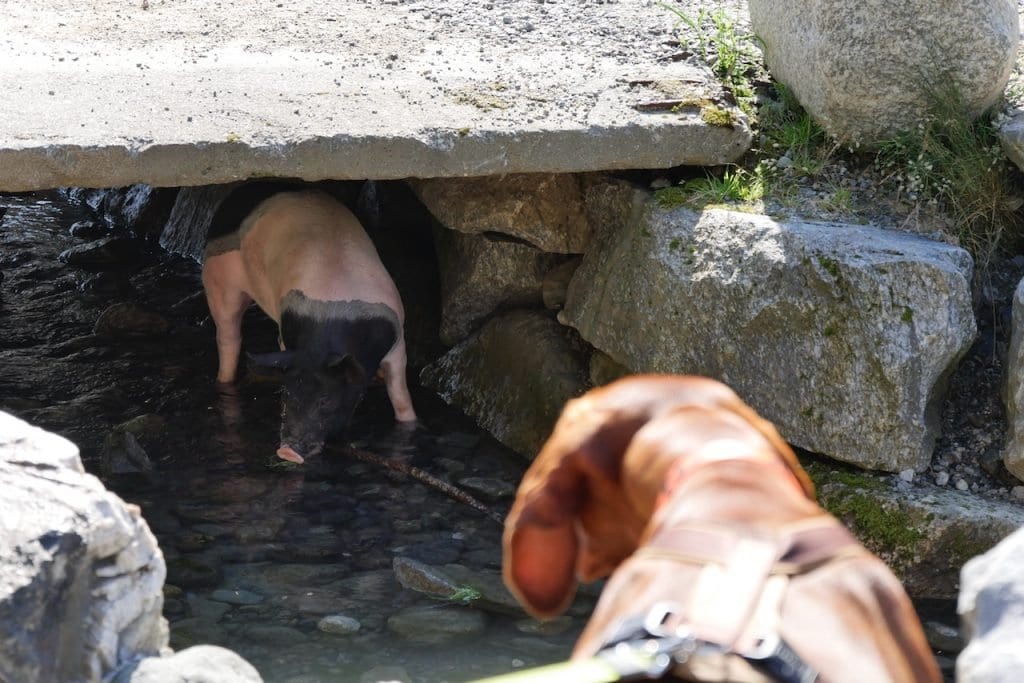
167	92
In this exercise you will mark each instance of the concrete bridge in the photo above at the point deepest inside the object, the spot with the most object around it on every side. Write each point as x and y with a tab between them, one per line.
171	93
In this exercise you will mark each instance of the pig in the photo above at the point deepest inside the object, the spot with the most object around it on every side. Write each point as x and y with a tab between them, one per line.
306	261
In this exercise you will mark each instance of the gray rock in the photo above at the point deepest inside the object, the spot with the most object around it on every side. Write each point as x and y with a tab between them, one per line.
1011	137
480	274
128	320
198	664
202	608
1013	454
796	317
437	624
80	572
140	209
339	624
451	581
845	64
991	606
386	674
925	534
512	376
236	596
489	487
104	253
544	210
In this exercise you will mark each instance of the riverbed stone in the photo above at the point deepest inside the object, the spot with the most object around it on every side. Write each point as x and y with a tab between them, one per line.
482	273
512	376
80	572
1013	453
126	320
991	606
103	254
437	624
451	581
139	209
198	664
797	317
843	64
339	624
924	533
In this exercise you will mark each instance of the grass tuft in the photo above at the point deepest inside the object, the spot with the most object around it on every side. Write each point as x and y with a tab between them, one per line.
955	160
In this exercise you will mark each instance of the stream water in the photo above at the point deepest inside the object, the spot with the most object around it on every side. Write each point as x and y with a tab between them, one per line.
258	552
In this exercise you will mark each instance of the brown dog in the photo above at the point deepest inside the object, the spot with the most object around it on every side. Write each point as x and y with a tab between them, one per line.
695	502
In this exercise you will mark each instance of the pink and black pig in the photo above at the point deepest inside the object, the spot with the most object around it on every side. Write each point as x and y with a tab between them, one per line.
303	257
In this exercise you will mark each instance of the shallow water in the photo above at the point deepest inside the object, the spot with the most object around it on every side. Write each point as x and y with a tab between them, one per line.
258	551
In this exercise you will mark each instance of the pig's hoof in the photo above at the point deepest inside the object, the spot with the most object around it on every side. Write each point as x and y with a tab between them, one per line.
289	454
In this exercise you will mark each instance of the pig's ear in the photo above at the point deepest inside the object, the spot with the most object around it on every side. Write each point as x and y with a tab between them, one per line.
347	369
540	543
276	360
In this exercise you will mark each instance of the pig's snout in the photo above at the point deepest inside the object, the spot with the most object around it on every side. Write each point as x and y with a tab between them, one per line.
286	452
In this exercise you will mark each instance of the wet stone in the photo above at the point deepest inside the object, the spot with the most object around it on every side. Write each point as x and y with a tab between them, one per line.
89	229
275	635
194	571
488	487
436	624
386	673
236	596
106	253
105	285
338	624
441	551
545	628
194	631
205	609
129	320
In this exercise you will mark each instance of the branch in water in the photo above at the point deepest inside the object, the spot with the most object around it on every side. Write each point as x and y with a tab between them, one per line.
449	490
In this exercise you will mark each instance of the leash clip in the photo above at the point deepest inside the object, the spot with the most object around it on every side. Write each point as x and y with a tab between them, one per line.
649	649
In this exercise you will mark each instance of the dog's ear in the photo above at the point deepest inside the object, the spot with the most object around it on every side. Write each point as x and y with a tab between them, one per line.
540	543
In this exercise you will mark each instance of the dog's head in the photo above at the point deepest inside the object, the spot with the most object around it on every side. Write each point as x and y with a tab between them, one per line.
584	503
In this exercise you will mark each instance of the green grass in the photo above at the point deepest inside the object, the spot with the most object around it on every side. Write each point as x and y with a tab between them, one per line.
955	160
732	55
734	184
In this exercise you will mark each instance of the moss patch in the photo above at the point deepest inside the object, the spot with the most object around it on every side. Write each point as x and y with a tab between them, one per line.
716	116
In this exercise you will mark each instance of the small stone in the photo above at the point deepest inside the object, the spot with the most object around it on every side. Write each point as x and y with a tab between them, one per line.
338	624
907	475
942	478
962	485
236	596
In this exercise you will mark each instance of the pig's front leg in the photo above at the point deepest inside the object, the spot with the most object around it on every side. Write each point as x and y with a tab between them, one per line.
227	305
393	367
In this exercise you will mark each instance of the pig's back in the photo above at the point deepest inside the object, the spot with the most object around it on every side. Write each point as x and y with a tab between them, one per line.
309	242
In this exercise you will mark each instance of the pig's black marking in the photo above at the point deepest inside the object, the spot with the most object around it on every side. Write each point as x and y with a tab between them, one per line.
234	208
319	330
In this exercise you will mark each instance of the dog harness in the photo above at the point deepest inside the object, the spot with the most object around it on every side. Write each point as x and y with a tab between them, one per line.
728	630
730	622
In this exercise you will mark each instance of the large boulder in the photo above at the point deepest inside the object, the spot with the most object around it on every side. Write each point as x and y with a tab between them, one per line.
865	70
480	273
842	335
513	376
991	607
81	575
1013	454
545	210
